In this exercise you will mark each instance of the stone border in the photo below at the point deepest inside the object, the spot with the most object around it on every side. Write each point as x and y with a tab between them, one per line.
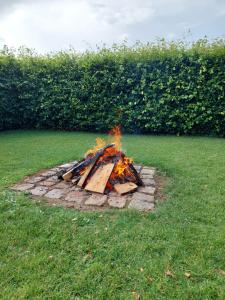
47	186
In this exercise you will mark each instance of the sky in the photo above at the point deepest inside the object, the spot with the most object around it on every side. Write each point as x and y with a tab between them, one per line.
54	25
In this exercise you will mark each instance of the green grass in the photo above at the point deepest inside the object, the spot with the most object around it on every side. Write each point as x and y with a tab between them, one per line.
55	253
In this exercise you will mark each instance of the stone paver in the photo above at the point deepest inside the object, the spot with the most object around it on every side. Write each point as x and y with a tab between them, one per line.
150	190
34	179
63	185
148	171
47	183
148	182
55	193
146	176
23	187
48	173
39	191
143	197
117	202
53	178
97	200
76	188
76	196
141	205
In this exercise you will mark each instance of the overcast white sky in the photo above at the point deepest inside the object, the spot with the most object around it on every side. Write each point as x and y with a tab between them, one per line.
51	25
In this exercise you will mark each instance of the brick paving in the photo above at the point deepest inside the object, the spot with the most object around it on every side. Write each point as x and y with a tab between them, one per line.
46	185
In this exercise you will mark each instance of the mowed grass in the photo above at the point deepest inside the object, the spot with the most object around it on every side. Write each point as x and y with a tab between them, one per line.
56	253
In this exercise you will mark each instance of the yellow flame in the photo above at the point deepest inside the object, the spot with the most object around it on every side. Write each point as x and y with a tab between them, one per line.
116	137
122	165
100	143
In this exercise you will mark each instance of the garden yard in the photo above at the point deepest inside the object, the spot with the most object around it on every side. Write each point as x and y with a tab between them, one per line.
175	252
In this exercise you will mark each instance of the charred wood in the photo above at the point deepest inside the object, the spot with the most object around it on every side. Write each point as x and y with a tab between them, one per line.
138	179
78	167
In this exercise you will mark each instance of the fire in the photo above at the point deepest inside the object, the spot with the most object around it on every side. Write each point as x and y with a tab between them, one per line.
121	166
100	143
116	137
105	167
115	154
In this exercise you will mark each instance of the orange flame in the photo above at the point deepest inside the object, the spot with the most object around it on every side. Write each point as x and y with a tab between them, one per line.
116	137
100	143
121	168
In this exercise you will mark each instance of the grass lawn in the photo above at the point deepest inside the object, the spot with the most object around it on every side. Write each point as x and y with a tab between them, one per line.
56	253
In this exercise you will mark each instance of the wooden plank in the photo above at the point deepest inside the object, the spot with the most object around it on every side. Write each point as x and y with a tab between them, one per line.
75	170
125	188
99	179
85	175
68	175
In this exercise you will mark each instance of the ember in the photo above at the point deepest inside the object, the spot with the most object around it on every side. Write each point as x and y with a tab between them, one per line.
105	168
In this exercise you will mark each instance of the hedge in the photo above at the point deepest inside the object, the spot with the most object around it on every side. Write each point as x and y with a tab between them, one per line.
155	88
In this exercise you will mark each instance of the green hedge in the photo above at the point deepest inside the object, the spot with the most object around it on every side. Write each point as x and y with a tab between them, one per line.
154	88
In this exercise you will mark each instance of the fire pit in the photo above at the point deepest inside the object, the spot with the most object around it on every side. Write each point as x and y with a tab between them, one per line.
104	178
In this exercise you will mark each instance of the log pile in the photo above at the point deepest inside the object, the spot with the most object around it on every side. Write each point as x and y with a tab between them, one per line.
103	170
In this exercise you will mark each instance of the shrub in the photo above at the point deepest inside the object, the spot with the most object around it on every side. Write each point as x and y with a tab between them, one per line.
154	88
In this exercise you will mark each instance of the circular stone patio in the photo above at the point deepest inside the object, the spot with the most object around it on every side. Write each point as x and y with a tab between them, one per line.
45	185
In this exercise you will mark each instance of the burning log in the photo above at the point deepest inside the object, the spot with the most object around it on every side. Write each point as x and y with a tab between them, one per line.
134	171
105	168
79	166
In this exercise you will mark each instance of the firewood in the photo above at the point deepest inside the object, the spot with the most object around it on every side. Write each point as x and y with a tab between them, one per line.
99	179
83	178
78	167
135	173
68	175
125	188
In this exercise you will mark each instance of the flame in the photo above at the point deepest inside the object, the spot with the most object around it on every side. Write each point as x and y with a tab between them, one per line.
115	138
115	132
100	143
121	169
121	166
